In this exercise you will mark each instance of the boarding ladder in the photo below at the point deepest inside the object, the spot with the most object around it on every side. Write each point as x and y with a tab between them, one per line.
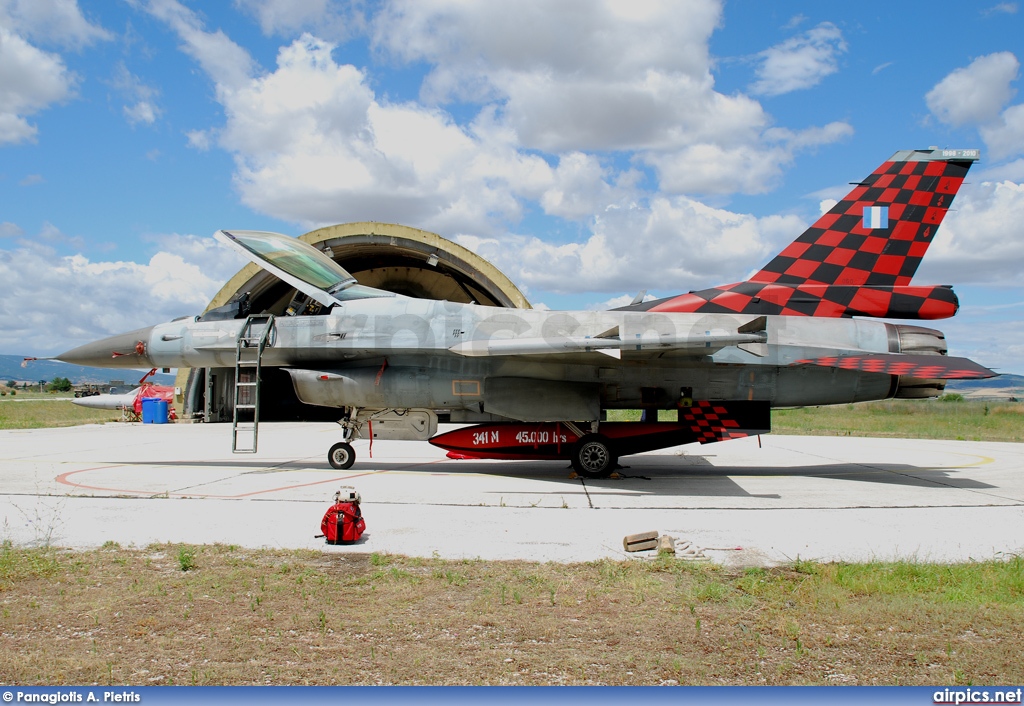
252	339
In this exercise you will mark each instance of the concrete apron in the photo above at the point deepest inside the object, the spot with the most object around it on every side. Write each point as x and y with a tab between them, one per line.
824	498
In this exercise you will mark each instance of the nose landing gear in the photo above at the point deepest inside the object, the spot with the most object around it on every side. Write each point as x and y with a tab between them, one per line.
342	456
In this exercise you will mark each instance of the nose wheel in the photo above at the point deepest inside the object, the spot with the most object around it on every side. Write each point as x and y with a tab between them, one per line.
341	456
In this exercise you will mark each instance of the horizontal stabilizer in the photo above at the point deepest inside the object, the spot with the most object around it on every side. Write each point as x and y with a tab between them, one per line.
918	366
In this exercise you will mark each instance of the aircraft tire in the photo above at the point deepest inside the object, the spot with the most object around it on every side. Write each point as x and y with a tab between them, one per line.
341	456
593	457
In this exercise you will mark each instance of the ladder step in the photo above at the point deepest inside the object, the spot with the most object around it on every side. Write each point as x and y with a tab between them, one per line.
247	384
245	406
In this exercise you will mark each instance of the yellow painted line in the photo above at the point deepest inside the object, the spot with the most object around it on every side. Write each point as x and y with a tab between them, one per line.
984	460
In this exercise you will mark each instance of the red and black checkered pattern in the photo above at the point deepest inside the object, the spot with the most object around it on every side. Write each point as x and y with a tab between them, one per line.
837	249
916	366
839	268
719	421
899	302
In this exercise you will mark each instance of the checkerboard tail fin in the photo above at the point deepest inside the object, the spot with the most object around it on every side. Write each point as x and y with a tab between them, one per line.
878	233
857	259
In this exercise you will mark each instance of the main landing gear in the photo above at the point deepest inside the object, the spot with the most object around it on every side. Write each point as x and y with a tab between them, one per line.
593	456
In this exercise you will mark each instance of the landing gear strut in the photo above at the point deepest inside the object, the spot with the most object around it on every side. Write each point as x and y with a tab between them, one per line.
593	456
342	455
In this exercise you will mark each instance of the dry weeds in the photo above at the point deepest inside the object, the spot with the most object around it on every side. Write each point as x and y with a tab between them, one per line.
235	616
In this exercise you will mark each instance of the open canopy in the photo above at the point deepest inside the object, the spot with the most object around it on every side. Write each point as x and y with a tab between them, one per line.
300	265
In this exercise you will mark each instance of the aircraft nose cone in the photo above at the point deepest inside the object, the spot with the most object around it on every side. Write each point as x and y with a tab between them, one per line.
125	350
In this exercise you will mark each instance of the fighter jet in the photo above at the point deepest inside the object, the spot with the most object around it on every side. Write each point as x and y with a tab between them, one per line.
122	401
538	384
131	400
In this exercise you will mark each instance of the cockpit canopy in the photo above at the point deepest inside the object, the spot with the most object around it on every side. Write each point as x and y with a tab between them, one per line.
300	265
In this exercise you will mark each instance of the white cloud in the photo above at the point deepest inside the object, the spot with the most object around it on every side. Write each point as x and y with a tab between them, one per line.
76	300
579	187
712	169
30	80
585	76
51	234
976	93
32	180
142	112
800	62
576	75
672	245
1009	171
225	62
313	143
795	21
10	230
1003	8
142	107
979	241
332	20
619	301
199	139
1005	135
51	22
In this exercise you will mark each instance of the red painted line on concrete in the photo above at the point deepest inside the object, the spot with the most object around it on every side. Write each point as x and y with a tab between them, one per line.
63	479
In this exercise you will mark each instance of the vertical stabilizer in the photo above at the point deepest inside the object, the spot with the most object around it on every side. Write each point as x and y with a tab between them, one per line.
857	259
879	232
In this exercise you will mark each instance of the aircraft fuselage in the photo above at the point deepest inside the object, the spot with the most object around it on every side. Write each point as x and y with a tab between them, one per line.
408	353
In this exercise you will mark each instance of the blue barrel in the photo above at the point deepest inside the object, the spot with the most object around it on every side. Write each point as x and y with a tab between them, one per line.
160	415
154	411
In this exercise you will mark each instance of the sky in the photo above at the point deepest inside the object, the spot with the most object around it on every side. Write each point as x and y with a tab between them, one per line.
591	149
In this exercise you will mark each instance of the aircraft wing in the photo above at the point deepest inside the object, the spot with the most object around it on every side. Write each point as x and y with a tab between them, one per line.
703	344
918	366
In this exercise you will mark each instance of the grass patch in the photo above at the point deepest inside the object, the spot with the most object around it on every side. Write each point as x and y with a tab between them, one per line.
19	565
949	417
33	410
117	616
971	420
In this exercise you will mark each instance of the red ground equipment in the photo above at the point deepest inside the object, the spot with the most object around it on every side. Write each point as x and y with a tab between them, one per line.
343	523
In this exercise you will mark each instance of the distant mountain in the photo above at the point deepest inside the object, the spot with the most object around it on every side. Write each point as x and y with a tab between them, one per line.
36	370
1012	385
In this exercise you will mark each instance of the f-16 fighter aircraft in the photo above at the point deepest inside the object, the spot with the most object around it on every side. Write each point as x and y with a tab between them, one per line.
537	384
